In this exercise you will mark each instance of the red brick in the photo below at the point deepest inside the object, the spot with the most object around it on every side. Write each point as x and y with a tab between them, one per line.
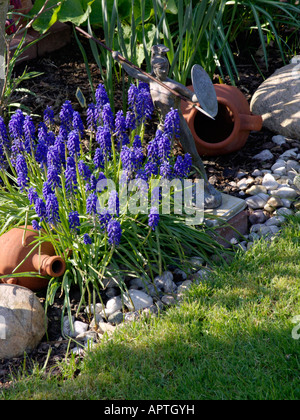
239	222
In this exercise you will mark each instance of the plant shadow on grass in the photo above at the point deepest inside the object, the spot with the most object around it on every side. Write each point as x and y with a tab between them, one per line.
263	364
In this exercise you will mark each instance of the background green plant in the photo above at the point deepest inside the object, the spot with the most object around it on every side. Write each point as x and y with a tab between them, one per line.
205	32
11	91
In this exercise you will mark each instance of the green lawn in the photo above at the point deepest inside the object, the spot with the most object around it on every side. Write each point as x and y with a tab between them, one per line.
231	338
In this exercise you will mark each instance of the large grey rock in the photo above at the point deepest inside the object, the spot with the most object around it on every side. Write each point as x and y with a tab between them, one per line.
22	321
277	100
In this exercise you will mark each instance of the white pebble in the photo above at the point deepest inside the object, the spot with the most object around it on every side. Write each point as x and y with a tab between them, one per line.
244	183
279	140
269	182
256	173
113	305
136	300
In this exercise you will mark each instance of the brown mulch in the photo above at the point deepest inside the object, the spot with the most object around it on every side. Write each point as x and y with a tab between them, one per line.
63	72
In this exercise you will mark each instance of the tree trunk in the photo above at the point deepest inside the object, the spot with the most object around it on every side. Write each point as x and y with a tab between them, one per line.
3	14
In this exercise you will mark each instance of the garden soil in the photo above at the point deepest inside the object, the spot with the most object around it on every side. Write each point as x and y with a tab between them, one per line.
63	72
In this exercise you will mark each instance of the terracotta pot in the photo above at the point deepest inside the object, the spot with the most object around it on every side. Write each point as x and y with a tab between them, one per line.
231	127
13	252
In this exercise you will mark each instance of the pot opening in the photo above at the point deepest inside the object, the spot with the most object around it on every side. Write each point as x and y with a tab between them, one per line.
57	266
215	131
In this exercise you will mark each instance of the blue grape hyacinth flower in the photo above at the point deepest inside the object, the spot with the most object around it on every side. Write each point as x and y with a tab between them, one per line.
74	222
22	172
3	135
101	97
40	208
98	159
73	143
77	123
36	225
172	124
29	134
113	203
166	170
66	115
87	240
53	177
114	232
48	116
182	166
32	195
15	125
52	209
92	115
71	176
153	218
84	170
91	203
103	138
108	117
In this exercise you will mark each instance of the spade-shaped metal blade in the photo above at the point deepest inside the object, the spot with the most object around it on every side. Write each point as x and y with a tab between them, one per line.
204	90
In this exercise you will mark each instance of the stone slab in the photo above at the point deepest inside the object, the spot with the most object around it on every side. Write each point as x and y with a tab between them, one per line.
230	207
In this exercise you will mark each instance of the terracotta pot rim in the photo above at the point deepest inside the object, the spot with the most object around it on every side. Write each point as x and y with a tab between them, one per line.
236	126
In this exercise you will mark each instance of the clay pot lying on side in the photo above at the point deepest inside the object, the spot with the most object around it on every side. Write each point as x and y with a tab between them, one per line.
231	127
13	252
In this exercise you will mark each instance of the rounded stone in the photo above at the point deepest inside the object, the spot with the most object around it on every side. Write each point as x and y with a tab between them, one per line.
283	87
279	140
269	182
165	282
22	321
257	216
285	192
257	201
256	189
136	300
113	305
273	203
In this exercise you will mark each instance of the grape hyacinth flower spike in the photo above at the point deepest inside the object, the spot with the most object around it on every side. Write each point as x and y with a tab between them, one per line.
153	219
22	172
114	232
52	209
74	222
87	240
